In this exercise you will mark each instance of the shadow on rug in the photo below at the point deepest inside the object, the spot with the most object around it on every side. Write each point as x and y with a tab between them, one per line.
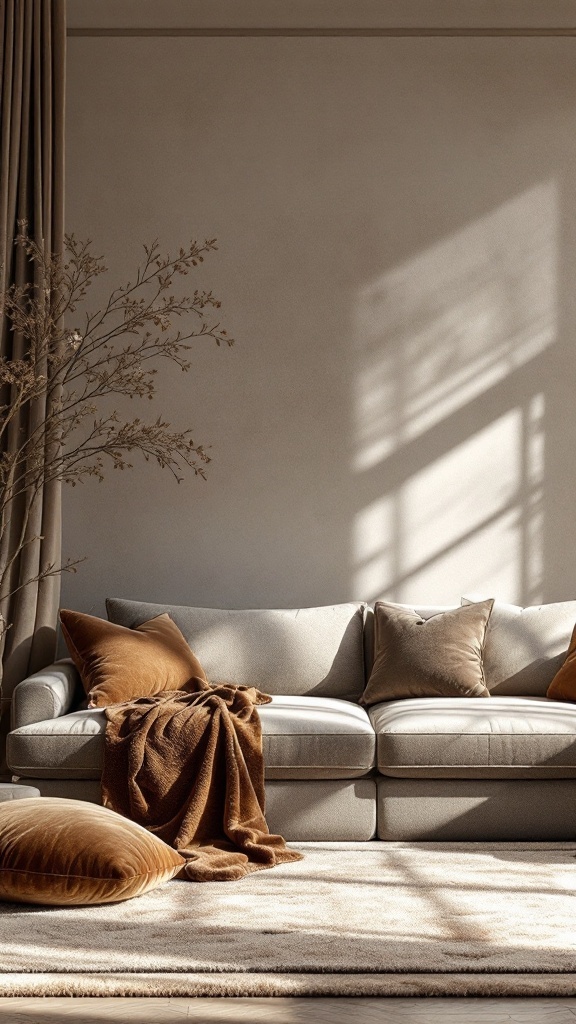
350	919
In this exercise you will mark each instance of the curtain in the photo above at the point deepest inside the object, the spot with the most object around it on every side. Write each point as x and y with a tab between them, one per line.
32	78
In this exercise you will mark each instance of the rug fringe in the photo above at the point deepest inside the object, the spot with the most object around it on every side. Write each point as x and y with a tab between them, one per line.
297	985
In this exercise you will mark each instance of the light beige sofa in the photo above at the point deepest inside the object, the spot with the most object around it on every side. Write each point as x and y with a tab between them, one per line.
418	769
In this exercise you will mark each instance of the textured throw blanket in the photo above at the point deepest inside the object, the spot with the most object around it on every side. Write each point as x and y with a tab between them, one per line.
189	767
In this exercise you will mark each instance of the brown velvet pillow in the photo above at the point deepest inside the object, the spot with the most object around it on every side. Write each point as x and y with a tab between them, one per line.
436	657
61	852
118	664
563	685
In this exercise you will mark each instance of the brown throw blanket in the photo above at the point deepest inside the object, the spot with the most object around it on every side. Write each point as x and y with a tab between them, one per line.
189	767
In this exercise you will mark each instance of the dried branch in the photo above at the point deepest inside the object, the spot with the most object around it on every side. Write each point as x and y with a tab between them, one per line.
58	385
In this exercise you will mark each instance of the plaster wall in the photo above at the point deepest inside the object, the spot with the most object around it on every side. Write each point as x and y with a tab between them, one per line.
397	240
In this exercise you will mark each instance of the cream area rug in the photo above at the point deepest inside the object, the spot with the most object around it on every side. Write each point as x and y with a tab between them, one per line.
350	919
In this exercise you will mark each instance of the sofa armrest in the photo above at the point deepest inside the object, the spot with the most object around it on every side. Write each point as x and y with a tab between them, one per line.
50	693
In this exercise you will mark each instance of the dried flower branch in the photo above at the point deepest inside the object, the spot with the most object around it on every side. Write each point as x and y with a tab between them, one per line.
66	372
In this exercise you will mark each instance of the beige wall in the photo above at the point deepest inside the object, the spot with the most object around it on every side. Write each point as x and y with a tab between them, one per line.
396	219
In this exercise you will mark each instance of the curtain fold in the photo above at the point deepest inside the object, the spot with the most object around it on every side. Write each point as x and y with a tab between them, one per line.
32	83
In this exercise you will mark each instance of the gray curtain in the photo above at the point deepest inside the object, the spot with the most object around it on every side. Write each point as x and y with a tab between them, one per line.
32	77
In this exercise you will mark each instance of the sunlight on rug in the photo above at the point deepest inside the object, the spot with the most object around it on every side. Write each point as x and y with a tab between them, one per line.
350	919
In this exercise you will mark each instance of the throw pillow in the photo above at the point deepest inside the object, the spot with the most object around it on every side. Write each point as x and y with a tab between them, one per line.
60	852
118	664
563	685
436	657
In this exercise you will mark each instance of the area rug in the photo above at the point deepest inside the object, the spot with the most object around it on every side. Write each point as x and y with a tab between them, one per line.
350	919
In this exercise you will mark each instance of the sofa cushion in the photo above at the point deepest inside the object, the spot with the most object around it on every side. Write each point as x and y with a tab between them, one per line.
316	738
312	651
436	657
525	647
303	738
504	737
69	747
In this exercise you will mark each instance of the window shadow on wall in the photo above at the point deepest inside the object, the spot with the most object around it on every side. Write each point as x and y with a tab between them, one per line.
454	349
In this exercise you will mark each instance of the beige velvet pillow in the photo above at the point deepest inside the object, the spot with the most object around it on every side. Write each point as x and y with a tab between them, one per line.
118	664
436	657
61	852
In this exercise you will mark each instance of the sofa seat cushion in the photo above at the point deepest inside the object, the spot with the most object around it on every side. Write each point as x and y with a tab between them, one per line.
316	738
302	738
69	747
500	738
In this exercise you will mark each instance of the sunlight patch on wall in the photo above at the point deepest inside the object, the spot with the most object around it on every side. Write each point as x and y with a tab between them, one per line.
451	459
456	520
444	327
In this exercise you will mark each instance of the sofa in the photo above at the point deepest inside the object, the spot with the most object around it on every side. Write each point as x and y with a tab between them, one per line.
416	769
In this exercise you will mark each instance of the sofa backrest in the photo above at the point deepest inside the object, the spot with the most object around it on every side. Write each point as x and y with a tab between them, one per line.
301	651
329	651
525	647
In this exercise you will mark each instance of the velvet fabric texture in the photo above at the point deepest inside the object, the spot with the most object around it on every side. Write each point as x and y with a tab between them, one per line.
189	767
118	664
563	685
61	852
436	657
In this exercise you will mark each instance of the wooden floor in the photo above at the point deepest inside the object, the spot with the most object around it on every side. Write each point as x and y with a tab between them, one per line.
290	1011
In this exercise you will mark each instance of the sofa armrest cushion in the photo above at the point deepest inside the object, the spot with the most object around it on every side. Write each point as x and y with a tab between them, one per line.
49	693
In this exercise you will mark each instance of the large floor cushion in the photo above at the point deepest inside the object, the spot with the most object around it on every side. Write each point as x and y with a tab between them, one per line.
303	738
318	652
502	737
